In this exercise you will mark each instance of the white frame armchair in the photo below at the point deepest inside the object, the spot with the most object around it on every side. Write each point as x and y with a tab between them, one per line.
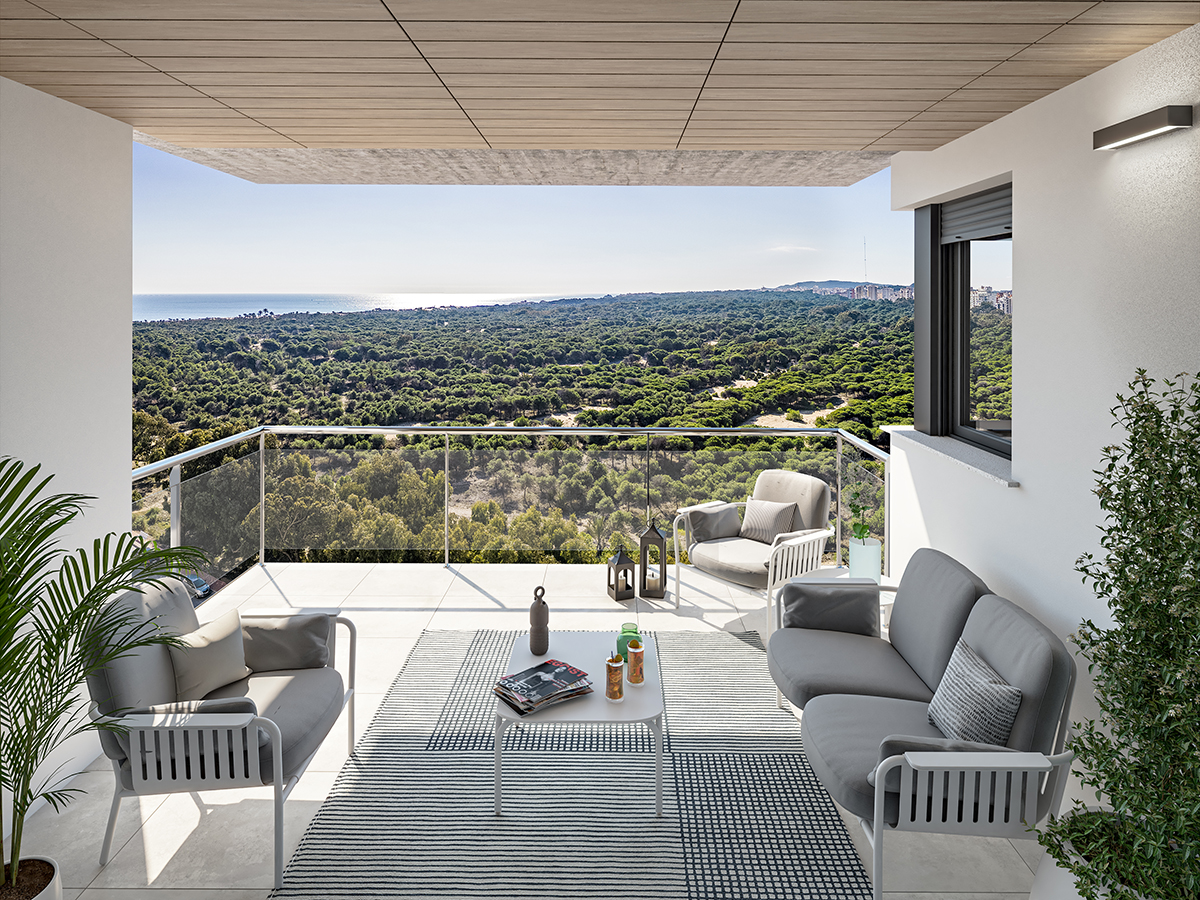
214	743
792	553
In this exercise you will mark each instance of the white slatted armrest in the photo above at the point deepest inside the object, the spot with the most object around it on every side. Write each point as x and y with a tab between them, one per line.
188	720
932	760
821	536
683	511
268	612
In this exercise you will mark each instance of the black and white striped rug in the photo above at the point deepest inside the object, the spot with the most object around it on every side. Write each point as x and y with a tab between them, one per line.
411	816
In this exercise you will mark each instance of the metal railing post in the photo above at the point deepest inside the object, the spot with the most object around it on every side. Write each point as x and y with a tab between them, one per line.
262	498
176	521
446	504
838	507
887	516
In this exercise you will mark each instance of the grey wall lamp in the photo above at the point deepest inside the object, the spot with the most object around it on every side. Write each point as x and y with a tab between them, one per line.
1168	118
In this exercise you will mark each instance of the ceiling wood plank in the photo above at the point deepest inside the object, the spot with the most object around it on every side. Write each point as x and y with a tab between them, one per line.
557	10
1144	12
202	10
867	32
261	49
191	30
487	32
911	11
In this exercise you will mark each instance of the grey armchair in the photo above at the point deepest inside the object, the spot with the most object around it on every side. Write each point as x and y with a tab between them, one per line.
718	541
866	700
260	729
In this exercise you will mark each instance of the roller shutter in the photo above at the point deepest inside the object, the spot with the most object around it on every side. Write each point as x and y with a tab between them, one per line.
984	215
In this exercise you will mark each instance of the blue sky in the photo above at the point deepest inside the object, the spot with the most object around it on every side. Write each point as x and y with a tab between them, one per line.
201	231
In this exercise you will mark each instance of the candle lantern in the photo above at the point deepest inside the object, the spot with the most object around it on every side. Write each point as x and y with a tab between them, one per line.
620	576
652	559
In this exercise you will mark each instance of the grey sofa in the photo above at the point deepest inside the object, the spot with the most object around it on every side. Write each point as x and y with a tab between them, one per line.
262	729
865	700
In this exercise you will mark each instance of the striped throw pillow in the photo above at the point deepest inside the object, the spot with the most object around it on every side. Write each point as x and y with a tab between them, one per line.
765	519
972	702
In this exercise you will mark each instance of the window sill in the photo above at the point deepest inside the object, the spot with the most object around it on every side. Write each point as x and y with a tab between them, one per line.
989	465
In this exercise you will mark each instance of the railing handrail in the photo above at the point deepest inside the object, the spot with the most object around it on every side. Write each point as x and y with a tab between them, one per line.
503	431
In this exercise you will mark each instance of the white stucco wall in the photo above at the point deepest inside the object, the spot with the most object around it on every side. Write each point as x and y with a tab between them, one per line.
66	286
1106	278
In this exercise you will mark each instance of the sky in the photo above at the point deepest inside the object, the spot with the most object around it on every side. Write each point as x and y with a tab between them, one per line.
197	230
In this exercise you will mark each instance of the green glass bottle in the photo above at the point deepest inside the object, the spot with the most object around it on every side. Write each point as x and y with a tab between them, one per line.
629	632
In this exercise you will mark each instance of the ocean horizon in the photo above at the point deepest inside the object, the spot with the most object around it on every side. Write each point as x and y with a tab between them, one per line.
159	307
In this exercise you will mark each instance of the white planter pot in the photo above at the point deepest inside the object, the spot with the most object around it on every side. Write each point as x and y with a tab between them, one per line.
866	559
1053	882
54	890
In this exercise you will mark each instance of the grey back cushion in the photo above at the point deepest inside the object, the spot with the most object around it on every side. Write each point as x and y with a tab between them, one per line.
932	603
714	522
146	676
1027	655
811	496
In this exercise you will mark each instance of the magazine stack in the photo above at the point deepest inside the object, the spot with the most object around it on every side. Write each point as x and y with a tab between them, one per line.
543	685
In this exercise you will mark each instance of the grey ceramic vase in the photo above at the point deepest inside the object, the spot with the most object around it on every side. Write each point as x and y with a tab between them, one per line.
539	623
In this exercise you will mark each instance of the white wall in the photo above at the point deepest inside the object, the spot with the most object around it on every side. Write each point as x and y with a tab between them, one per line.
66	287
1106	278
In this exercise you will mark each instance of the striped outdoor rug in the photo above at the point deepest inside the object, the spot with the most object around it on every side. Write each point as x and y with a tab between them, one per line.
410	815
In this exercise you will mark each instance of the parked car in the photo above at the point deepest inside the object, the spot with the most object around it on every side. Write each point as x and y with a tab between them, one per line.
199	588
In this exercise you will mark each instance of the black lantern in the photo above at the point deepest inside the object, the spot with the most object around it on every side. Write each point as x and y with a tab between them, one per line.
652	565
620	576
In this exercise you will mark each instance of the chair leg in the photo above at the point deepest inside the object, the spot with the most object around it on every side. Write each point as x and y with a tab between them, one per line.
350	726
779	698
877	864
106	847
278	834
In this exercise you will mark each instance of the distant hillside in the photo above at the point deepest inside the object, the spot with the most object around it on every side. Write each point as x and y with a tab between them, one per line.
831	285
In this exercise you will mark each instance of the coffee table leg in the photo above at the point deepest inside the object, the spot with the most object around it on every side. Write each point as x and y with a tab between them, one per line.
501	725
656	726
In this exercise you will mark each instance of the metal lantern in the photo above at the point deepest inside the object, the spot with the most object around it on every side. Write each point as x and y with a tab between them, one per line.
652	574
620	576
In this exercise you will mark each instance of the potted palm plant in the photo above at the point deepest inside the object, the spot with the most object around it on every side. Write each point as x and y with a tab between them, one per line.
57	628
1142	756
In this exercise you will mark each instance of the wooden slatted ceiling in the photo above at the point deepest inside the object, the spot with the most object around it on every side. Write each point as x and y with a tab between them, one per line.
626	74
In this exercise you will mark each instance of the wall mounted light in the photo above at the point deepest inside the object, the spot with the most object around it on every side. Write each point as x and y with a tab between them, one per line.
1168	118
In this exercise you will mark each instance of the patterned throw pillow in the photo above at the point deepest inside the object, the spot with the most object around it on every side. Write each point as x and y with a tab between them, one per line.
973	703
765	519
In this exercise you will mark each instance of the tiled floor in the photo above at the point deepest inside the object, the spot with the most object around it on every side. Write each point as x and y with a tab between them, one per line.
219	847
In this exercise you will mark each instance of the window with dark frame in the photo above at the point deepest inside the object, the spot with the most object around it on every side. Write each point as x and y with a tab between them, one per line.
963	312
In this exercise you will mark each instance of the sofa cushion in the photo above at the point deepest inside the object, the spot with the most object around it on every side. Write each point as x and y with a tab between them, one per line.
733	559
713	522
210	656
935	597
806	663
831	604
811	496
1029	656
286	642
842	734
304	703
145	676
973	703
765	519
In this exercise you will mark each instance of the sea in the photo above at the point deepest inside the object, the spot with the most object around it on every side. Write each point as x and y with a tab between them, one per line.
157	307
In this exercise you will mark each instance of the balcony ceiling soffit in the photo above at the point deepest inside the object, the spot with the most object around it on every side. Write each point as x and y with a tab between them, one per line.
564	91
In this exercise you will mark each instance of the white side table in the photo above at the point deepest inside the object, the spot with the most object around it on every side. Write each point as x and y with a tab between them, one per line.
588	650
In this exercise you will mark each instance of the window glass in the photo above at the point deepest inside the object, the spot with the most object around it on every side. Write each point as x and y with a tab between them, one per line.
989	354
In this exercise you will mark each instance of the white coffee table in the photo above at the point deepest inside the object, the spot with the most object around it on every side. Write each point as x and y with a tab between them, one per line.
588	650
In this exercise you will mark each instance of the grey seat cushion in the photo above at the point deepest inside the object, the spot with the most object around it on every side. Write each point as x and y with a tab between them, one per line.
842	734
806	663
935	596
735	559
304	703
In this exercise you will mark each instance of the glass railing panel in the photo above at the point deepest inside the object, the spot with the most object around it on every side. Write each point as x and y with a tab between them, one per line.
343	503
218	512
151	509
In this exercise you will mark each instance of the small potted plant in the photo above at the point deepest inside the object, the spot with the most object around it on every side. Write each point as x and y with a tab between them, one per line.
866	553
1142	756
56	629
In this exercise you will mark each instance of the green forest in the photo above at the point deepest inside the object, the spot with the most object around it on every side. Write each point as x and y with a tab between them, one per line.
714	359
